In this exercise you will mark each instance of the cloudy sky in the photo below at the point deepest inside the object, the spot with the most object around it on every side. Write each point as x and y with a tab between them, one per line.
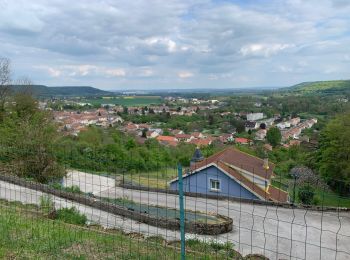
158	44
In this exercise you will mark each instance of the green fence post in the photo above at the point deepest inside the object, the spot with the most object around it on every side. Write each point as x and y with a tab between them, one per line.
182	212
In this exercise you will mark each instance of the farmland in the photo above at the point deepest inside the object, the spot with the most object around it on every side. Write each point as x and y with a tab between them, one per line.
125	100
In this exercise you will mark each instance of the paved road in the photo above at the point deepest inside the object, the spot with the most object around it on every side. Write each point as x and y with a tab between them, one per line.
294	234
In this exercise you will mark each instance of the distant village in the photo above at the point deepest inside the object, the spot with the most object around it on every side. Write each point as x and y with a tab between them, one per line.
72	122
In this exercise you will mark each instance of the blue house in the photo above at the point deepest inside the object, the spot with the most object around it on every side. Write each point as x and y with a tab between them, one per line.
231	173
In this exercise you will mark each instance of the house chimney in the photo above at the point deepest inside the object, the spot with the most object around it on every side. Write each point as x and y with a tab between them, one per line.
266	163
197	156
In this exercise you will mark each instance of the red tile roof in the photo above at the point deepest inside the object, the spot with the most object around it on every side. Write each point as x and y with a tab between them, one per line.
166	138
240	160
201	142
241	140
277	194
183	136
271	193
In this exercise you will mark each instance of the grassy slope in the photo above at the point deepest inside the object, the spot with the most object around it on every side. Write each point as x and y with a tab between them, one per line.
26	234
321	86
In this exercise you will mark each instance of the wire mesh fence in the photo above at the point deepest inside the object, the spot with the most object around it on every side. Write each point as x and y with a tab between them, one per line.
234	208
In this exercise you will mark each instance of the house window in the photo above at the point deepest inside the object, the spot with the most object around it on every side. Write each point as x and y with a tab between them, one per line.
215	185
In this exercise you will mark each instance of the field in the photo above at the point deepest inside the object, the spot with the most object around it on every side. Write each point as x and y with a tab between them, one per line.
26	234
126	100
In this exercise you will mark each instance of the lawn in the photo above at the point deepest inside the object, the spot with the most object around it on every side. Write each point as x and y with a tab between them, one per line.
325	198
154	179
26	234
321	198
126	100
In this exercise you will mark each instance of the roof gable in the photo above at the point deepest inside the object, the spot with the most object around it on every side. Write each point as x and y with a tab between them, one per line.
271	193
241	160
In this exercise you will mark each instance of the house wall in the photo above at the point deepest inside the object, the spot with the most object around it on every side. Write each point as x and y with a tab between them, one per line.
255	116
199	182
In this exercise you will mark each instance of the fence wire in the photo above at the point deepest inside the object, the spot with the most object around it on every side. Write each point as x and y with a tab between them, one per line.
121	213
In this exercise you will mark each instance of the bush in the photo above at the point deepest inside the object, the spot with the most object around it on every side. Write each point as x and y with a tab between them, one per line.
73	189
71	215
306	195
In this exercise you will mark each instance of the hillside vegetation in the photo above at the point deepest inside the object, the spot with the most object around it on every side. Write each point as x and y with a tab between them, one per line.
326	87
66	91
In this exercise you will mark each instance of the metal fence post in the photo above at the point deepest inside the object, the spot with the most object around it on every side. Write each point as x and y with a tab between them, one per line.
182	212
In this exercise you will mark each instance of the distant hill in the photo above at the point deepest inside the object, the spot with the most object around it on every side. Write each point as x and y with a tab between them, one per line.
322	87
65	91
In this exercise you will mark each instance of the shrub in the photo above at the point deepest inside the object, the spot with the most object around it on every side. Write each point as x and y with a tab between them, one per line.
306	195
71	215
73	189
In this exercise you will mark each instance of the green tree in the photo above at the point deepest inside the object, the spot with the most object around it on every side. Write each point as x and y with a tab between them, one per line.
274	136
334	152
144	132
28	136
306	195
125	110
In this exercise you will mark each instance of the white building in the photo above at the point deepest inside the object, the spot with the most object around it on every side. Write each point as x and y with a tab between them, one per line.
255	116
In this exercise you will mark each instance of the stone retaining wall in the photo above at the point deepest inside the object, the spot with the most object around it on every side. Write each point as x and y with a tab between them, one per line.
235	199
172	224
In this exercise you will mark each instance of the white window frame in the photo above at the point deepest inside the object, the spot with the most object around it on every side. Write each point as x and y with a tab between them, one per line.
217	181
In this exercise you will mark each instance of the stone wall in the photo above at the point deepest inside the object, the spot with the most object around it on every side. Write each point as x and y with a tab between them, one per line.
172	224
236	199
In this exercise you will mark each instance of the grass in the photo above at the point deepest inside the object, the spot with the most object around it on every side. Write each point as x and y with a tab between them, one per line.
71	216
26	235
154	179
126	100
73	189
324	198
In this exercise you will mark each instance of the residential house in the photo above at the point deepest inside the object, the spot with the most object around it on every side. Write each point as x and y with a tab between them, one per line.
184	137
151	134
267	121
176	131
201	142
167	140
255	116
198	135
226	138
231	173
294	121
283	125
250	125
241	140
260	134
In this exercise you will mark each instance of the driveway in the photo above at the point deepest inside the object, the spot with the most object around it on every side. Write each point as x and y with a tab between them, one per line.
278	233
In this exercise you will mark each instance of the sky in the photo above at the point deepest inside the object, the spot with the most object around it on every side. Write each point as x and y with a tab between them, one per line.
157	44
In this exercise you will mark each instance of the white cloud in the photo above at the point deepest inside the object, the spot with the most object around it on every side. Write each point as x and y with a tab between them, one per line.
51	71
265	50
168	43
185	74
151	42
116	72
